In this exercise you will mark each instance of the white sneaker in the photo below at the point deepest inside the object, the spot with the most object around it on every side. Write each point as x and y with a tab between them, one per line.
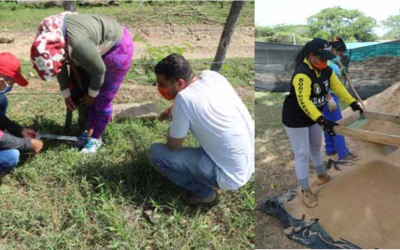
92	146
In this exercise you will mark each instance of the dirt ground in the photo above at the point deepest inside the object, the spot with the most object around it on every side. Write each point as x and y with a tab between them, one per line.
278	171
203	38
275	172
140	92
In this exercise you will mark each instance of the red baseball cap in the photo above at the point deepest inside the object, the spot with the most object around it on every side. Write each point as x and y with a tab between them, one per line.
10	66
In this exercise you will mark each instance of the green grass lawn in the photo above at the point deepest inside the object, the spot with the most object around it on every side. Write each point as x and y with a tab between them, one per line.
135	14
60	199
239	71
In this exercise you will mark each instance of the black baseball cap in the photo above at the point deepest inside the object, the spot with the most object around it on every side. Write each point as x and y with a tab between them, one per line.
338	44
320	47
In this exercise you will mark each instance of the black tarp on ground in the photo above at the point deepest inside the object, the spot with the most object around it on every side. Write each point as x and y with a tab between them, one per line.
309	234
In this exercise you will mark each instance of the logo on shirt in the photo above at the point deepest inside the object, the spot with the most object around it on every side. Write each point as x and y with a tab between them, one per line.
319	101
317	89
326	82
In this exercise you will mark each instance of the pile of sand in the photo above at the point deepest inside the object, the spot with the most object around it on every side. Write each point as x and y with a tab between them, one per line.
362	202
363	205
386	102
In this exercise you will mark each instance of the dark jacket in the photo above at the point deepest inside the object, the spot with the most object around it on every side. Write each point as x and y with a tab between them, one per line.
11	138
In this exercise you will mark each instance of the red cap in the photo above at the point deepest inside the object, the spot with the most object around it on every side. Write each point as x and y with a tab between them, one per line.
10	66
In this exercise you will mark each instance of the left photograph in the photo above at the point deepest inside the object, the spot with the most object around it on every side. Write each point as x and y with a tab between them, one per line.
127	124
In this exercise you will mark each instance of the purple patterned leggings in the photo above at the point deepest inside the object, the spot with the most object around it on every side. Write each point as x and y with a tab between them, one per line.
117	61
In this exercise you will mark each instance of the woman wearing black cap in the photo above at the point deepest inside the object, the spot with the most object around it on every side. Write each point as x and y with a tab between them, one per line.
336	144
302	117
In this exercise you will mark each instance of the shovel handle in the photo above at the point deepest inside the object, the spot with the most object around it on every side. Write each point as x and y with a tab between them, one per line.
351	85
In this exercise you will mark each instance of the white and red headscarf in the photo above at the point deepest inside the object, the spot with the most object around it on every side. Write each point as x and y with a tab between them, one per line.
48	51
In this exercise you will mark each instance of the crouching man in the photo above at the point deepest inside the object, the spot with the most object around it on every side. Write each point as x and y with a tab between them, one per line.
208	106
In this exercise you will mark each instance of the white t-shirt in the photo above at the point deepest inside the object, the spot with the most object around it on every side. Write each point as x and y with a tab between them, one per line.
211	109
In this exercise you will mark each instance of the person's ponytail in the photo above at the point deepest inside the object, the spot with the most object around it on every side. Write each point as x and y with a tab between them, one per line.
304	52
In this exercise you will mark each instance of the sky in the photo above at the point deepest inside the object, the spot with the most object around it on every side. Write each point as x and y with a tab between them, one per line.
272	12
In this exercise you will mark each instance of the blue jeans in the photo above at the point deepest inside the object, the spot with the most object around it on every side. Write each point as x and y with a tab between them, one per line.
8	160
3	104
189	168
336	142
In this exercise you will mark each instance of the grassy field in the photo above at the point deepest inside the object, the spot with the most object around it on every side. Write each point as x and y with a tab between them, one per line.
60	199
115	199
135	14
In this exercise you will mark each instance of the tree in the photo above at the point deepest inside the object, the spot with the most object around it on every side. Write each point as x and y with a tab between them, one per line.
69	6
347	24
227	34
284	38
392	23
300	30
263	31
283	34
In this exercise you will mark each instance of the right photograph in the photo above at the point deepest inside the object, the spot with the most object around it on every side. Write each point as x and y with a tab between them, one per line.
327	112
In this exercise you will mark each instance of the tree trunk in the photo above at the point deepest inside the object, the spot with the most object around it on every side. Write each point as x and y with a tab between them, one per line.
227	34
69	5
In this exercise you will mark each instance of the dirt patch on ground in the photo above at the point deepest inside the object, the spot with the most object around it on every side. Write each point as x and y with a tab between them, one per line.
203	38
274	174
128	92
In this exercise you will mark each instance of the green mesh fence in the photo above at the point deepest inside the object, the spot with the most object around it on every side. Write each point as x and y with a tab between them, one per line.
373	50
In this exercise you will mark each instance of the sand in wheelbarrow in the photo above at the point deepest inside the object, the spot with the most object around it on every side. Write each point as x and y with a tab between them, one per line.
377	126
382	126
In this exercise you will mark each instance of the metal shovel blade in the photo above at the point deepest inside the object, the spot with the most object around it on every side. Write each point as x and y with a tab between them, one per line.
58	137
